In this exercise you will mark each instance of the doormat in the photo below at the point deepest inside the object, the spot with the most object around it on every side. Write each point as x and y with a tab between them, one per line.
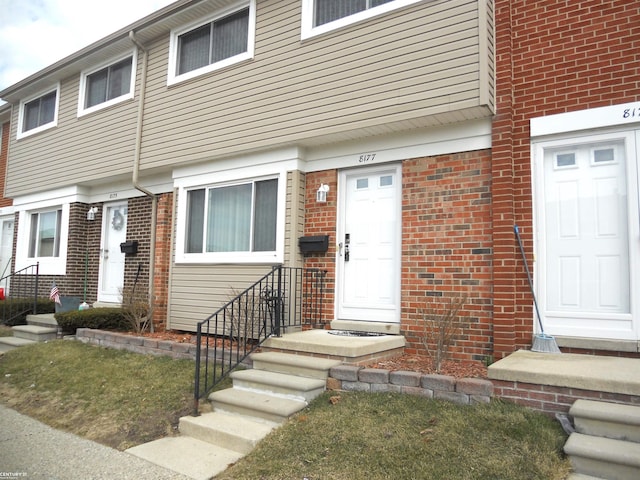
353	333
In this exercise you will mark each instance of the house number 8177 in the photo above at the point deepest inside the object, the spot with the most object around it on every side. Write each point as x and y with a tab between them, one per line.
367	157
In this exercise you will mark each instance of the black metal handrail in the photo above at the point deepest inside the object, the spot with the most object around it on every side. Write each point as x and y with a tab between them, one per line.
284	298
20	289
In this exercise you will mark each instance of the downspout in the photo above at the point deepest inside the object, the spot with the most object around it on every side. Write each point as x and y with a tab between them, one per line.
136	168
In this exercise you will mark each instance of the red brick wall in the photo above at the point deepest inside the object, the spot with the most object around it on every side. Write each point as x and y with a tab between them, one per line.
552	57
162	259
320	219
446	248
136	267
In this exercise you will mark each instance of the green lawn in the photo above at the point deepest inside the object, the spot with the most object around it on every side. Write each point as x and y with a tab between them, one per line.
122	399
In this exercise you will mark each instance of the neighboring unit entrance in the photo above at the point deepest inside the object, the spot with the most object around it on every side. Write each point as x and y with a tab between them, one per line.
114	232
368	261
6	245
588	214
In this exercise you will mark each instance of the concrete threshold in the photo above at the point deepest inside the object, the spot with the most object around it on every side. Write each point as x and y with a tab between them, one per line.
321	342
588	372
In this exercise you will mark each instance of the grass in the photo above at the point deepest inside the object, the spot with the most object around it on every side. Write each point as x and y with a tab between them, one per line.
117	398
381	436
5	331
122	399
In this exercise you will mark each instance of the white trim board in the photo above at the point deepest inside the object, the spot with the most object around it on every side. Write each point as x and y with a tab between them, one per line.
624	114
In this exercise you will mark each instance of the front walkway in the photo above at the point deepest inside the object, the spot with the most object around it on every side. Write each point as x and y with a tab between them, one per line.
34	451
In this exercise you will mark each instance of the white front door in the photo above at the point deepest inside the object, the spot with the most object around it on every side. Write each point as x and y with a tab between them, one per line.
590	245
114	232
6	244
368	261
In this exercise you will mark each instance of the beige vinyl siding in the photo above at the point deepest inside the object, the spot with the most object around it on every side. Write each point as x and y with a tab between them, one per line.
95	146
197	291
294	218
409	64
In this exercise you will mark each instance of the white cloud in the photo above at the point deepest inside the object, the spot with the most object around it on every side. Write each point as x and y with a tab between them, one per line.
37	33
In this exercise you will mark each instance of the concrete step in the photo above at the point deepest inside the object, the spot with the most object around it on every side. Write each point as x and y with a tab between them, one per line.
233	432
16	342
603	457
188	456
35	333
299	365
291	386
253	404
42	320
610	420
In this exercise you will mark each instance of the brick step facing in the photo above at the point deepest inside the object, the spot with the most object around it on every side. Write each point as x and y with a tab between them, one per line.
606	444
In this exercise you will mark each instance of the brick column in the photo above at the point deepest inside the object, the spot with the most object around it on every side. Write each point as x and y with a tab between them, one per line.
502	193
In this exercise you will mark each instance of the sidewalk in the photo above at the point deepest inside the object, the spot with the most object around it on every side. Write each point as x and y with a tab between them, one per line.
31	450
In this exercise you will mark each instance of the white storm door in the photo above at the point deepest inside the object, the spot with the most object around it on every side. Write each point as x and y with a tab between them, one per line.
590	202
6	245
368	261
114	232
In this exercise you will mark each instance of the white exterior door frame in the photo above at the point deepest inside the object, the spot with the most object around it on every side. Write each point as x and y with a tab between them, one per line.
368	284
111	269
615	325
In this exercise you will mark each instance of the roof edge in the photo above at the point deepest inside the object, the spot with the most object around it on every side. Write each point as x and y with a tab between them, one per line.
95	46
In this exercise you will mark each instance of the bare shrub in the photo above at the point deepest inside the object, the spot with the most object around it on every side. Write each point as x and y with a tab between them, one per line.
136	309
442	325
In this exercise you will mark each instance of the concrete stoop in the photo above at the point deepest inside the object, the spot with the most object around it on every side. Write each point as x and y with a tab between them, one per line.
606	444
261	399
39	328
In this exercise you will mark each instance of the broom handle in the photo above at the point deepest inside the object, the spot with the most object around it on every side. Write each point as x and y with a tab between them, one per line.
526	267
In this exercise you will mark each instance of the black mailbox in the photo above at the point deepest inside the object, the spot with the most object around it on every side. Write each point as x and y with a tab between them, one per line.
317	244
130	247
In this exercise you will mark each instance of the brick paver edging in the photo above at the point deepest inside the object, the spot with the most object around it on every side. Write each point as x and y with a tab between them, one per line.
132	343
459	390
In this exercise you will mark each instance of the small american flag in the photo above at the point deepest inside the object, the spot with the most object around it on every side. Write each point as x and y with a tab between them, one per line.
55	294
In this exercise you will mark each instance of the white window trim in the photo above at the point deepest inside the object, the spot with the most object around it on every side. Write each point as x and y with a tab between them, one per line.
309	31
229	257
83	84
22	134
173	77
47	265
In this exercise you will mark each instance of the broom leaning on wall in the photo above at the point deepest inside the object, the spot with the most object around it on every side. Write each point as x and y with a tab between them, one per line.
541	341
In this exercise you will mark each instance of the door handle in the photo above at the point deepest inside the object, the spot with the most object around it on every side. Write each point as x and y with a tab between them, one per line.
347	242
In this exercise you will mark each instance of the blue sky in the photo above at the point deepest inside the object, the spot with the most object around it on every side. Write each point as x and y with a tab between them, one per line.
37	33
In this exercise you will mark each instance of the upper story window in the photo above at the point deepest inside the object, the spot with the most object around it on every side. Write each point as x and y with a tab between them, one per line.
107	85
39	113
320	16
222	40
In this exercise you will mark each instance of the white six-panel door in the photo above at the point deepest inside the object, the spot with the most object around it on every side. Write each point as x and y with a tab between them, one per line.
587	238
368	261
